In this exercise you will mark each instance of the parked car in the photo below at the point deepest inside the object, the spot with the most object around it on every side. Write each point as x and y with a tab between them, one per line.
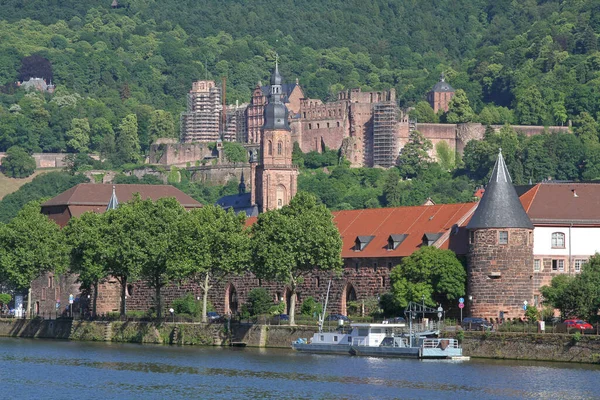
476	324
337	317
577	324
395	320
282	317
213	316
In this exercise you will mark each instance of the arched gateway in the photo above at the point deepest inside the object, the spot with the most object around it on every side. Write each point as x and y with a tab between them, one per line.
348	295
231	299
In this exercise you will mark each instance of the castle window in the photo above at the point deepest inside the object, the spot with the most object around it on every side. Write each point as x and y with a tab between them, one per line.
471	237
318	125
50	281
537	265
374	267
309	126
270	148
356	266
43	293
383	281
503	237
338	124
304	113
328	124
578	264
558	240
279	148
558	265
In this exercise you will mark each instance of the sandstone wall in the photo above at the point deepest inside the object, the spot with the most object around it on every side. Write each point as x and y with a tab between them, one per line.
220	174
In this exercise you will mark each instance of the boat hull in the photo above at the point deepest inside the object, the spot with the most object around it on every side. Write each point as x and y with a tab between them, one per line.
322	348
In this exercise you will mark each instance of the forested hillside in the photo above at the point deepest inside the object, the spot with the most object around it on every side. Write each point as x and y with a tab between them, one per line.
122	74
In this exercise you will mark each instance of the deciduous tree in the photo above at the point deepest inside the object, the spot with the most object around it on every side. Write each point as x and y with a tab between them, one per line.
17	163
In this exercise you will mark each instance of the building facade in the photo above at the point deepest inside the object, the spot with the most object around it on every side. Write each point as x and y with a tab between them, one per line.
201	122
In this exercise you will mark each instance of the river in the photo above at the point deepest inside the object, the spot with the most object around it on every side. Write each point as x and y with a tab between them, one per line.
34	369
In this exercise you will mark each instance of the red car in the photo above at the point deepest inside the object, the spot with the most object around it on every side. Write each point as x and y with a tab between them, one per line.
577	324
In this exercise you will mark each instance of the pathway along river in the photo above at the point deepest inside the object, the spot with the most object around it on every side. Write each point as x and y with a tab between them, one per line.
34	369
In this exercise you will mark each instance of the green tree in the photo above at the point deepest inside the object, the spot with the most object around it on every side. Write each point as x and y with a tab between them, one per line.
259	301
78	137
293	241
30	245
530	106
84	237
392	190
587	130
433	273
423	113
235	152
445	156
17	163
161	126
127	142
212	245
414	156
459	110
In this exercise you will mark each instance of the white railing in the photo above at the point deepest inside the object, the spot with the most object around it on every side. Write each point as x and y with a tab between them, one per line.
440	343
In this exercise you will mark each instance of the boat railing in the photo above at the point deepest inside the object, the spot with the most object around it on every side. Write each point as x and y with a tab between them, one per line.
440	343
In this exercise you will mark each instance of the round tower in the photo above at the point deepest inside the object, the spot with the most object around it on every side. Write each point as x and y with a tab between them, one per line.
500	258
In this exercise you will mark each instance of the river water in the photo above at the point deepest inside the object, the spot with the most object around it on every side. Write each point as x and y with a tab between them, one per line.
51	369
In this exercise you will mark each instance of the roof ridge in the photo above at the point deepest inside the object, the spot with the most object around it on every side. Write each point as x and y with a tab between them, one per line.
536	188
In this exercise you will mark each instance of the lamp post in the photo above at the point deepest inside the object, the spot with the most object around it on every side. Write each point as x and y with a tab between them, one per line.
172	314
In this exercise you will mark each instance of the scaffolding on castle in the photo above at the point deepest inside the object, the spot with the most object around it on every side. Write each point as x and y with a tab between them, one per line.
385	122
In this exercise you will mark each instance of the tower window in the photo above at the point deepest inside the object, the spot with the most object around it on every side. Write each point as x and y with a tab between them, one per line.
270	148
503	237
472	237
279	148
309	126
558	240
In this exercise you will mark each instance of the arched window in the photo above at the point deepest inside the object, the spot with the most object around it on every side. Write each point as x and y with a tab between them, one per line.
558	240
270	148
279	148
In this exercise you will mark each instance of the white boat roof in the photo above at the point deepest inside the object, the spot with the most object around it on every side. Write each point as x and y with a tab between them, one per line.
366	325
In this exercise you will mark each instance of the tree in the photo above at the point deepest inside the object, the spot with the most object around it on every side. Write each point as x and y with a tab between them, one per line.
432	273
84	236
259	301
213	244
414	156
157	235
423	113
392	190
30	245
459	110
161	126
235	152
78	137
587	131
293	241
127	142
445	155
17	163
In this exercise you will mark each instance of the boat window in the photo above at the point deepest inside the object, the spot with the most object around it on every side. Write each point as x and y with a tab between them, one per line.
363	332
322	338
349	339
335	339
375	330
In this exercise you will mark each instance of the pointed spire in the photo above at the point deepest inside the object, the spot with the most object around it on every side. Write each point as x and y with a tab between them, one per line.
113	203
242	185
442	77
500	206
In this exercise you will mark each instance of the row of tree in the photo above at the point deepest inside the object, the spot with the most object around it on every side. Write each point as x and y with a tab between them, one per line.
160	243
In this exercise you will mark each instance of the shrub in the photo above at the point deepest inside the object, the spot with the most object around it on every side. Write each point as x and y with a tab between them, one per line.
576	337
311	307
187	305
259	301
5	298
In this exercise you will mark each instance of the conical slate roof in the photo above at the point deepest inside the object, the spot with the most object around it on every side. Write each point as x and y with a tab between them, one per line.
500	206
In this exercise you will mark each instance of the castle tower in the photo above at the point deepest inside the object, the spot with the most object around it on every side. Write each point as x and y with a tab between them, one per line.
500	258
275	178
440	95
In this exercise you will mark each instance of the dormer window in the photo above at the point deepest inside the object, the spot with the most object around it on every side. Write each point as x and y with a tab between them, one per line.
395	240
361	242
430	238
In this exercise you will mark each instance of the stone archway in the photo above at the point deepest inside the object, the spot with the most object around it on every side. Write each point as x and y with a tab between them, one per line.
348	295
281	194
231	299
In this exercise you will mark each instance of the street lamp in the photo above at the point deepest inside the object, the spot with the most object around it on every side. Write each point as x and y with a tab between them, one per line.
172	314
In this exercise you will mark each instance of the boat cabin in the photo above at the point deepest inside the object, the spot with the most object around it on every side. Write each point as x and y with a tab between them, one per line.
360	335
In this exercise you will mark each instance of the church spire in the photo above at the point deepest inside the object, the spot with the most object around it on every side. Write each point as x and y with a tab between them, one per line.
500	206
276	113
113	203
242	185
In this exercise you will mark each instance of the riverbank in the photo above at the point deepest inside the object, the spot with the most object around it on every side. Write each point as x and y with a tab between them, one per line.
513	346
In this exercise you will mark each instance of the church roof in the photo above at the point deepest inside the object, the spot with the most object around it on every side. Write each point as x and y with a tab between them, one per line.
500	206
240	203
286	88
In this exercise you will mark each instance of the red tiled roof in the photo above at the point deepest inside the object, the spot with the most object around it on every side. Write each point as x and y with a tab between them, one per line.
92	196
413	221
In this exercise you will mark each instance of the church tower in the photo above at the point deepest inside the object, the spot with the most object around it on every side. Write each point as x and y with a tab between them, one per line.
275	178
500	258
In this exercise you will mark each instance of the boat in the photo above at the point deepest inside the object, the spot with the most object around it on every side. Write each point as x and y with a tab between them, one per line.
383	339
